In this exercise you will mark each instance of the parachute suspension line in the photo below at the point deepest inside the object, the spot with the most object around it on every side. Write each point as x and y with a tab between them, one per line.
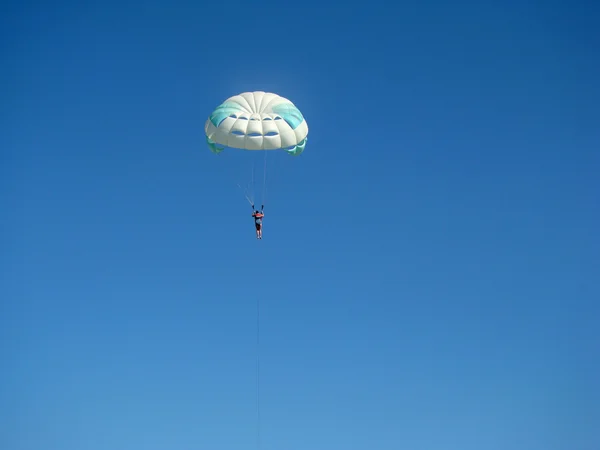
258	372
246	194
264	193
252	188
249	190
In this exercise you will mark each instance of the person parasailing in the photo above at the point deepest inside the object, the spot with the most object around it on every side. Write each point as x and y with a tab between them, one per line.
258	218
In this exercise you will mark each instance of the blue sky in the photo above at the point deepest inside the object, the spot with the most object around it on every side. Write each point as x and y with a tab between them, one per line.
429	270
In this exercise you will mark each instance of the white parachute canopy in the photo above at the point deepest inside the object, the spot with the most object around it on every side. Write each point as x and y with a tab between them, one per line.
257	121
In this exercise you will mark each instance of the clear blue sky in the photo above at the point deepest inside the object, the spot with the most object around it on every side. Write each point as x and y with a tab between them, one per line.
430	265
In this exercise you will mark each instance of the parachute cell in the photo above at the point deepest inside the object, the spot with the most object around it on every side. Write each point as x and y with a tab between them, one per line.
257	121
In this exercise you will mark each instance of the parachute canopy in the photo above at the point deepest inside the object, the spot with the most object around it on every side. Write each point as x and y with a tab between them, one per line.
257	121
